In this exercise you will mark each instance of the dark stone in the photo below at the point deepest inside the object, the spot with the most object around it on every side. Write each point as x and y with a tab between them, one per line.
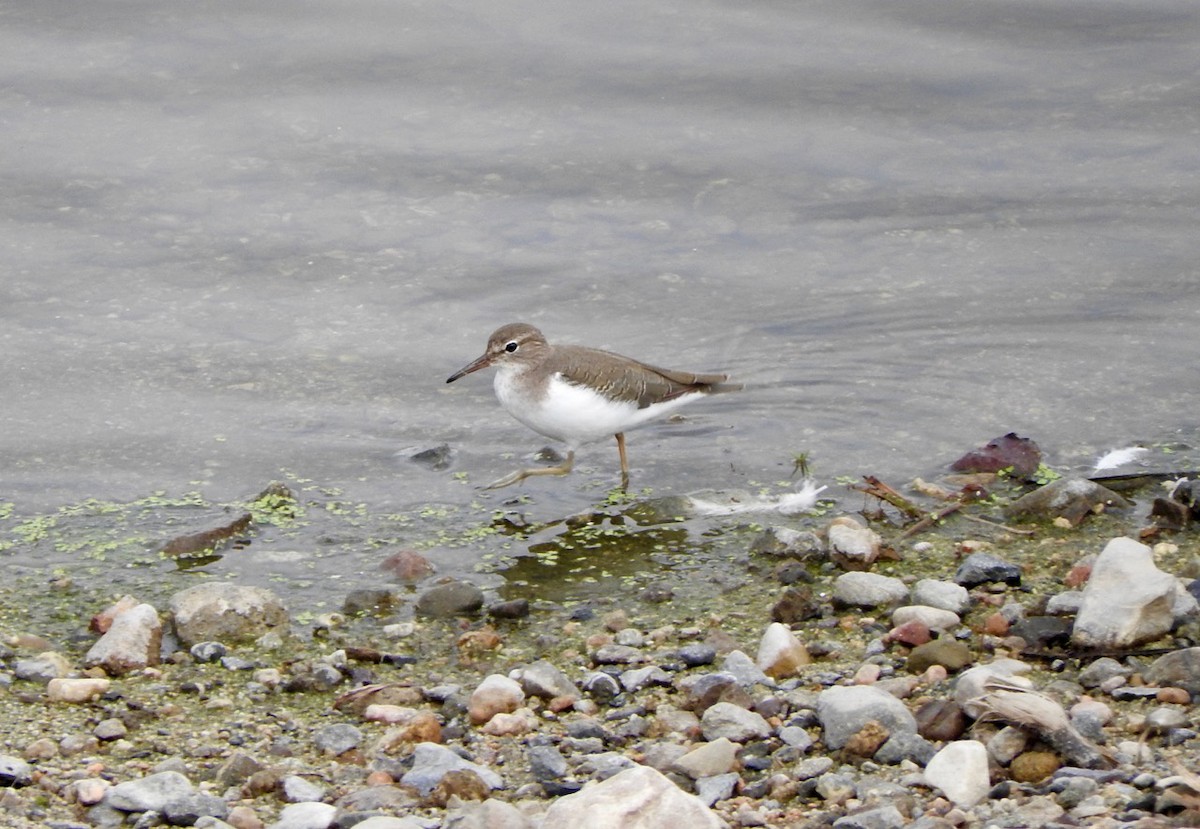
949	653
1043	631
795	605
512	609
436	458
984	568
207	651
695	655
941	720
369	601
546	763
456	598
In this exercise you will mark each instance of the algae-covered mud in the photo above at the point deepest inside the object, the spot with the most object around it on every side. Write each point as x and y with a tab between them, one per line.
694	639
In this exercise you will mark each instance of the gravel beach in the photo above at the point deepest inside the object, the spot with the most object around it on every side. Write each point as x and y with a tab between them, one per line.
1045	677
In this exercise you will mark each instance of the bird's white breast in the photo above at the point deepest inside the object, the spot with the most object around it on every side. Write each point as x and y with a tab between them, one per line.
571	413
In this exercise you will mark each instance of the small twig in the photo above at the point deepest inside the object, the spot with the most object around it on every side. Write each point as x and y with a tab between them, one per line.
878	489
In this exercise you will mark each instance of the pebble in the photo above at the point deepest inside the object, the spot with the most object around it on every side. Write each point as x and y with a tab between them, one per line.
494	695
14	772
455	598
780	653
305	816
724	719
708	759
868	590
984	568
960	770
942	595
85	689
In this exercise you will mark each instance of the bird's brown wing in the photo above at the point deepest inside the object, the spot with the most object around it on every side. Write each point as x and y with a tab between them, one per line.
623	378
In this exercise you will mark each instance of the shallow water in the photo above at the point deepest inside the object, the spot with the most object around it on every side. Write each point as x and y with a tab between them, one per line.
246	243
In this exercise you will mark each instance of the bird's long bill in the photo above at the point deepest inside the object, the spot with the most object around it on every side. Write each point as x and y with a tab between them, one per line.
482	362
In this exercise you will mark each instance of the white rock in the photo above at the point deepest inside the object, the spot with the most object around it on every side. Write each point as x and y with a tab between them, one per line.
84	689
780	653
945	595
724	719
636	798
305	816
1127	601
131	643
868	590
932	617
960	770
708	759
851	545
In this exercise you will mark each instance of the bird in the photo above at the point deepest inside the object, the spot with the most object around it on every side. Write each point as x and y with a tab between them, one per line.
577	395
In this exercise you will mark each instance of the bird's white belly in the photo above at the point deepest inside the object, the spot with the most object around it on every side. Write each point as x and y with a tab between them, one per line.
572	413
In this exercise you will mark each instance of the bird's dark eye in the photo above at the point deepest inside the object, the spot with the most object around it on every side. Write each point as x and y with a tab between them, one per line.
511	347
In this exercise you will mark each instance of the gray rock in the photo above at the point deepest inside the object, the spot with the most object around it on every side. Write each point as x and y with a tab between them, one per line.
456	598
545	680
305	816
697	654
985	568
154	793
431	762
196	807
389	822
1101	670
845	709
744	670
904	746
639	678
784	541
614	654
226	612
1070	498
298	790
813	767
1180	668
942	595
546	763
42	668
637	798
208	651
708	759
110	729
490	814
600	686
881	817
338	738
868	590
734	723
14	772
720	787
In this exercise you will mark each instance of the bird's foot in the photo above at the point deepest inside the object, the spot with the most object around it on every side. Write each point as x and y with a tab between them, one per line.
522	474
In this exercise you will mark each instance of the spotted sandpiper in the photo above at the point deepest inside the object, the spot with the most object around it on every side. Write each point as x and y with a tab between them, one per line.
578	395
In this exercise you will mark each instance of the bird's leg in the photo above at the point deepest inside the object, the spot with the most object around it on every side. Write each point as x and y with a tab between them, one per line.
624	463
522	474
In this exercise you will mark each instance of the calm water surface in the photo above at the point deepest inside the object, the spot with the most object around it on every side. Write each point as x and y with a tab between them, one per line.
249	241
